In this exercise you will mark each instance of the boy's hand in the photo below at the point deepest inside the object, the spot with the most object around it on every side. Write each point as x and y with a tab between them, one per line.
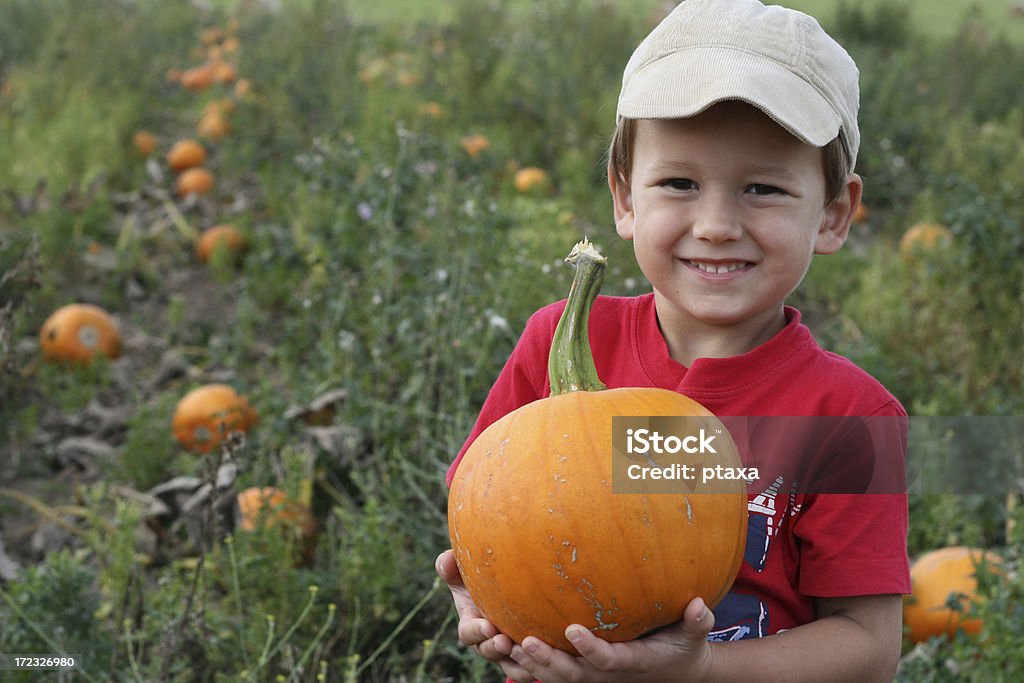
679	652
475	631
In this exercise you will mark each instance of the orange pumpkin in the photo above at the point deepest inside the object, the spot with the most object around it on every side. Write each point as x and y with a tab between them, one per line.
194	181
242	87
226	237
197	78
475	144
211	35
223	106
540	539
936	578
223	72
431	110
77	332
923	239
530	178
203	413
185	154
144	142
213	126
268	507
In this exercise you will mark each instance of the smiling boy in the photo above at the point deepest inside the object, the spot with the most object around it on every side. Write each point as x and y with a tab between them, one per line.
731	167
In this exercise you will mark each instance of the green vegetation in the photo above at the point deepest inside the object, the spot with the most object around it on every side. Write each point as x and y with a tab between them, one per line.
391	270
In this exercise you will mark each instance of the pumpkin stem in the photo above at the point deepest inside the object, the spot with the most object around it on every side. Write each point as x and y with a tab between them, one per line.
571	363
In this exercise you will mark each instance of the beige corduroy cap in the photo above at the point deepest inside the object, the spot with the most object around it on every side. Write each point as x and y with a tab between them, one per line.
776	59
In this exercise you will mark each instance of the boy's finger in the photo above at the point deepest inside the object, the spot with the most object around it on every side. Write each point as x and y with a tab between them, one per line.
698	620
449	571
474	629
447	568
515	672
495	649
597	651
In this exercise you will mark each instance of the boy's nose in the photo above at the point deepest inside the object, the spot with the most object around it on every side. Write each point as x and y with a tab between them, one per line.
716	221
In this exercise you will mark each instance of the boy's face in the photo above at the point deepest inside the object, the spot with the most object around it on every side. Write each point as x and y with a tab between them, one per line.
725	210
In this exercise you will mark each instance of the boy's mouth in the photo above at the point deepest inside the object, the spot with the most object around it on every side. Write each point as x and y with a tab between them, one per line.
717	267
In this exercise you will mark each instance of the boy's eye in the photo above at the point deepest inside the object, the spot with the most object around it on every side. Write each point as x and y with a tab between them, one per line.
760	189
679	184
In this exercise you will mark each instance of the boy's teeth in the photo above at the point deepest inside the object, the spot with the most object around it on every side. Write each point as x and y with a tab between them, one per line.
718	268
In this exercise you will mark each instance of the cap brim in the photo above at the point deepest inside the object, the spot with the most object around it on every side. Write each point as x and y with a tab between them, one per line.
686	82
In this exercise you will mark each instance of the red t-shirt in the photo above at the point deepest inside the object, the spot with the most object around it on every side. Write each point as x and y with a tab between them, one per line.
800	545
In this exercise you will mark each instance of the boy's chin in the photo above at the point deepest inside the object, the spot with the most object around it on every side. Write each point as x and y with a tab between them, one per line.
726	314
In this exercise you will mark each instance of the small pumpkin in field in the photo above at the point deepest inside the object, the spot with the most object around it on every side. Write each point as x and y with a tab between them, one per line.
223	71
226	237
213	126
269	507
937	578
204	412
222	106
474	144
78	332
537	532
924	239
211	35
197	78
144	143
185	154
531	178
431	110
196	180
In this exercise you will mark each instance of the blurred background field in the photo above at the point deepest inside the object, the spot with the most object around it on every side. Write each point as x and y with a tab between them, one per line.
935	19
370	154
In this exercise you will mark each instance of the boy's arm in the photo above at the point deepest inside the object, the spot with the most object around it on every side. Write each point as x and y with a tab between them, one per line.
853	639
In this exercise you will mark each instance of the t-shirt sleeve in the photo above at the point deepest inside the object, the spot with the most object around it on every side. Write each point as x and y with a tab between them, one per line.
522	380
856	543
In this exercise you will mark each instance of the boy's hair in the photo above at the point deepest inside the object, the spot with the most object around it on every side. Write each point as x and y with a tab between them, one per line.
835	162
776	59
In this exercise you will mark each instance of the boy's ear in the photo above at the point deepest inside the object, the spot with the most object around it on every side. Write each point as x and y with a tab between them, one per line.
622	204
839	216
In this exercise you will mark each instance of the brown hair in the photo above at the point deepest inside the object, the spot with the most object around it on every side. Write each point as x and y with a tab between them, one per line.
835	161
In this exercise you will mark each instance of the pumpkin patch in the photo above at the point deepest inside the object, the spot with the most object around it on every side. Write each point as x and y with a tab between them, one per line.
381	272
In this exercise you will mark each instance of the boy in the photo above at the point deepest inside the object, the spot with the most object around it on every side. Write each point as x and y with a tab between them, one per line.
731	166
